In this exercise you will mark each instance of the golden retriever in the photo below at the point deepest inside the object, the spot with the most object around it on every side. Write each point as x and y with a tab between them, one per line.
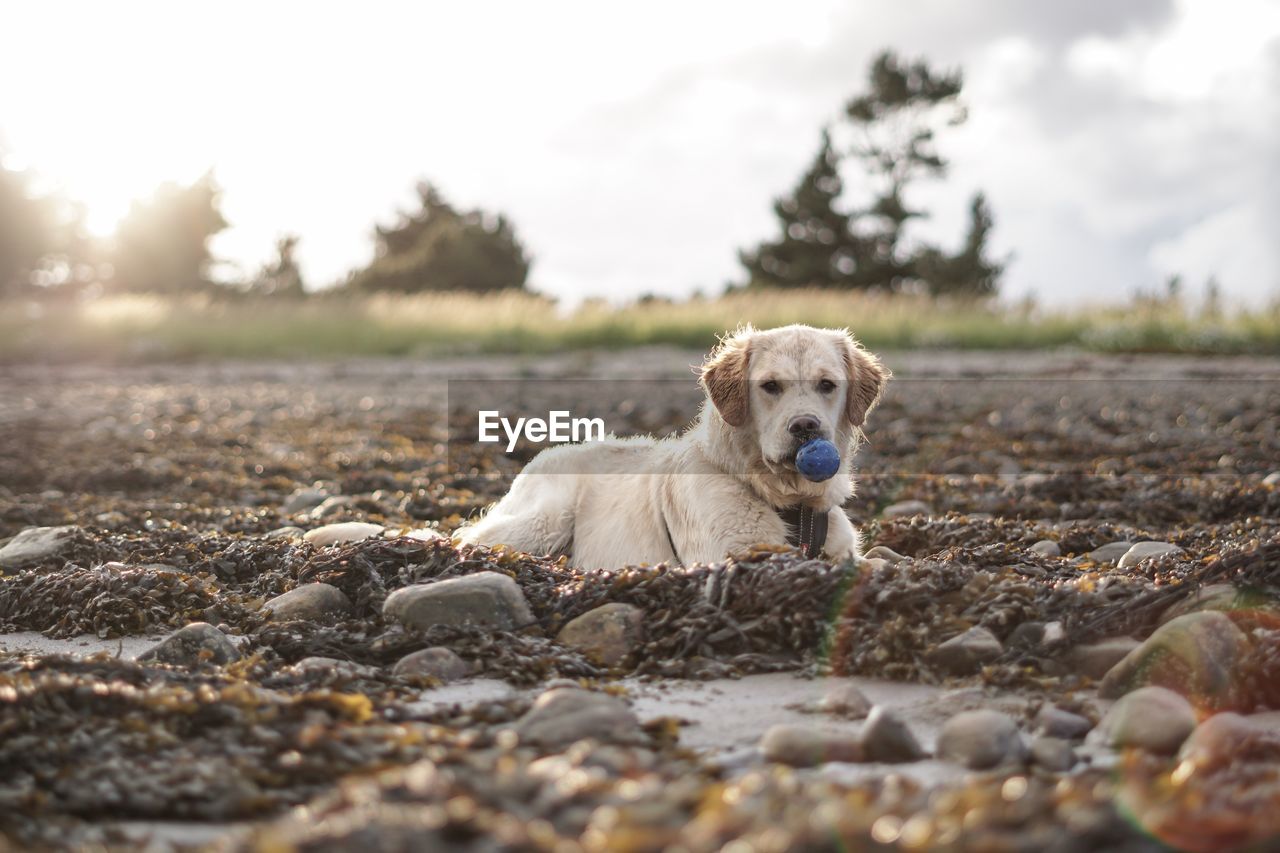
727	483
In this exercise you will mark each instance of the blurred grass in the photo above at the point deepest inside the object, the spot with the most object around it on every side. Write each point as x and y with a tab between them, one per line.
144	328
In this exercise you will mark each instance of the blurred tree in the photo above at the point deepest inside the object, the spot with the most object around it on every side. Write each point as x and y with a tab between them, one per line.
28	231
894	125
442	248
282	276
969	272
162	245
816	246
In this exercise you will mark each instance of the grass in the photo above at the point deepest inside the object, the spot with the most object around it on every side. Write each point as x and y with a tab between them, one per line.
146	328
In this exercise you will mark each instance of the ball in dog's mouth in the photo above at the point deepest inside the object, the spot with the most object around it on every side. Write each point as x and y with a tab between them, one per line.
817	460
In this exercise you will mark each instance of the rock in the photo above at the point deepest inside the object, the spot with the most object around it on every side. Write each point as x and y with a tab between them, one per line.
1152	718
843	700
1145	551
965	653
1226	738
1095	660
34	545
1028	635
331	507
334	666
311	601
882	553
1110	553
1046	548
1223	597
805	746
567	714
485	599
342	533
434	662
607	634
425	534
303	499
289	532
903	509
980	739
887	738
1272	479
1052	753
1057	723
1196	655
188	646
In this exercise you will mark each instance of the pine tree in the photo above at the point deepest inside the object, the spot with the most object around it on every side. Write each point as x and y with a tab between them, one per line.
815	247
282	276
162	245
969	272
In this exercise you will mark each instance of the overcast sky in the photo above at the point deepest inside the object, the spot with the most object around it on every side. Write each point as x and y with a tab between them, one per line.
637	148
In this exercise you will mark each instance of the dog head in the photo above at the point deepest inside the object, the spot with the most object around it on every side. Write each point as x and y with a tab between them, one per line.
792	384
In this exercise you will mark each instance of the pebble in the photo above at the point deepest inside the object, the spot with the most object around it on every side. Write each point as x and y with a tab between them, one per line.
887	738
34	545
1216	596
434	662
342	533
318	663
564	715
1145	551
965	653
607	634
1046	548
1095	660
192	644
1272	479
331	507
980	739
1152	718
1057	723
806	746
843	700
902	509
310	602
303	499
485	599
289	532
1225	738
1052	753
1196	655
425	534
1111	552
880	552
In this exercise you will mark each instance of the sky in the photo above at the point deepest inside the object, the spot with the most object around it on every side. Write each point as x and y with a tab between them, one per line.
638	147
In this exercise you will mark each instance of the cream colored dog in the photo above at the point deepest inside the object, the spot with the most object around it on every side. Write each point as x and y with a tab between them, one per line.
719	487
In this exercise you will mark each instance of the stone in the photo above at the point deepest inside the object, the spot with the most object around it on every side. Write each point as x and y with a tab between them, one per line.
1110	553
1064	725
1272	479
334	666
605	635
434	662
806	746
887	738
1151	718
1145	551
1046	548
331	507
1226	738
843	700
1052	753
289	532
303	499
34	545
485	599
1095	660
192	644
966	653
1223	597
564	715
310	602
980	739
902	509
342	533
425	534
882	553
1196	655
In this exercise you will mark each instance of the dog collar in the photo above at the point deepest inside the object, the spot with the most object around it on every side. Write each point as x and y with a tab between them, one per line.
807	529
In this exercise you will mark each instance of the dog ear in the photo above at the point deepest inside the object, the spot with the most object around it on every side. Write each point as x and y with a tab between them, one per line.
724	377
867	377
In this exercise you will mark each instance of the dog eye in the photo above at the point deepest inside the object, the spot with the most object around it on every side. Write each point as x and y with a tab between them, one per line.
826	386
771	387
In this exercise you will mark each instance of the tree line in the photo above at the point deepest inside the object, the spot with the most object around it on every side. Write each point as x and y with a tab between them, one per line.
888	143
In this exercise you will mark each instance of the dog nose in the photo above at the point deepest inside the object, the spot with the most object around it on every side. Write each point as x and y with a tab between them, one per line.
803	424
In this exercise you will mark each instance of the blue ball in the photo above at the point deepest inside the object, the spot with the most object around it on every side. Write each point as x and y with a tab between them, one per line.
818	460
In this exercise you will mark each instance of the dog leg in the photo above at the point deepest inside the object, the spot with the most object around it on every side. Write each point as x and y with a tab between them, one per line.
535	517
